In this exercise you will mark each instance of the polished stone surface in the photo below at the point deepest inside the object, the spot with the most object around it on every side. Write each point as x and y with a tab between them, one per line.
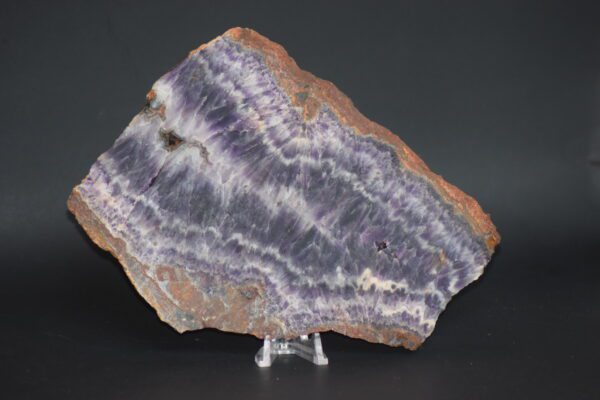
252	197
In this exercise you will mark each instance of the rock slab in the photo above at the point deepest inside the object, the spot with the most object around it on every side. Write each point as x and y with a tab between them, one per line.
252	197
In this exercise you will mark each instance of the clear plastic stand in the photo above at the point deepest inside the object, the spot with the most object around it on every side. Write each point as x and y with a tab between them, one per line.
310	349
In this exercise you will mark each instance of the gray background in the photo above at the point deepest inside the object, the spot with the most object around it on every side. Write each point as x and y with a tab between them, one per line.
501	98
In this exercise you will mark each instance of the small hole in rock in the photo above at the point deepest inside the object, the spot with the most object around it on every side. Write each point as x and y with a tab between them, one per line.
381	245
171	140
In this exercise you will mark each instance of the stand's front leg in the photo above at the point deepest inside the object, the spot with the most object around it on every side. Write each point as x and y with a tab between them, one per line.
265	357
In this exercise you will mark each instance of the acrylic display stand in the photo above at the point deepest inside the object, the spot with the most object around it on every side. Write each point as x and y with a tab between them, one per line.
310	349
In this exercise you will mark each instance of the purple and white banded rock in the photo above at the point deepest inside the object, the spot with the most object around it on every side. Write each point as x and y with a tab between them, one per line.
252	197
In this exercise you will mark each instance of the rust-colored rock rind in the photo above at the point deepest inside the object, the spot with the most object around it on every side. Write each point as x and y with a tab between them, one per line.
98	233
195	309
317	92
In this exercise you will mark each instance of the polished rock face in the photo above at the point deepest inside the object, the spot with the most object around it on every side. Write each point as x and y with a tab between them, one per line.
252	197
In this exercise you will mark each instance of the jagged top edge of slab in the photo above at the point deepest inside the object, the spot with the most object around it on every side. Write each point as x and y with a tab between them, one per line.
318	92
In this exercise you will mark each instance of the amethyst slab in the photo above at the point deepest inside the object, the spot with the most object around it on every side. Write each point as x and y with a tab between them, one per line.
252	197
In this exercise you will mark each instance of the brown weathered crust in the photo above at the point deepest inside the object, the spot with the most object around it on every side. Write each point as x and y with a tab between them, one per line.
237	309
316	92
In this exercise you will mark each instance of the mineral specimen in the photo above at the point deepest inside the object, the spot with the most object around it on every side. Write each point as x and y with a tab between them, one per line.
250	196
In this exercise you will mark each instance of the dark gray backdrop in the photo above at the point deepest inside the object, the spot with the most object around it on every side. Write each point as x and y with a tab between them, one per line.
501	98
